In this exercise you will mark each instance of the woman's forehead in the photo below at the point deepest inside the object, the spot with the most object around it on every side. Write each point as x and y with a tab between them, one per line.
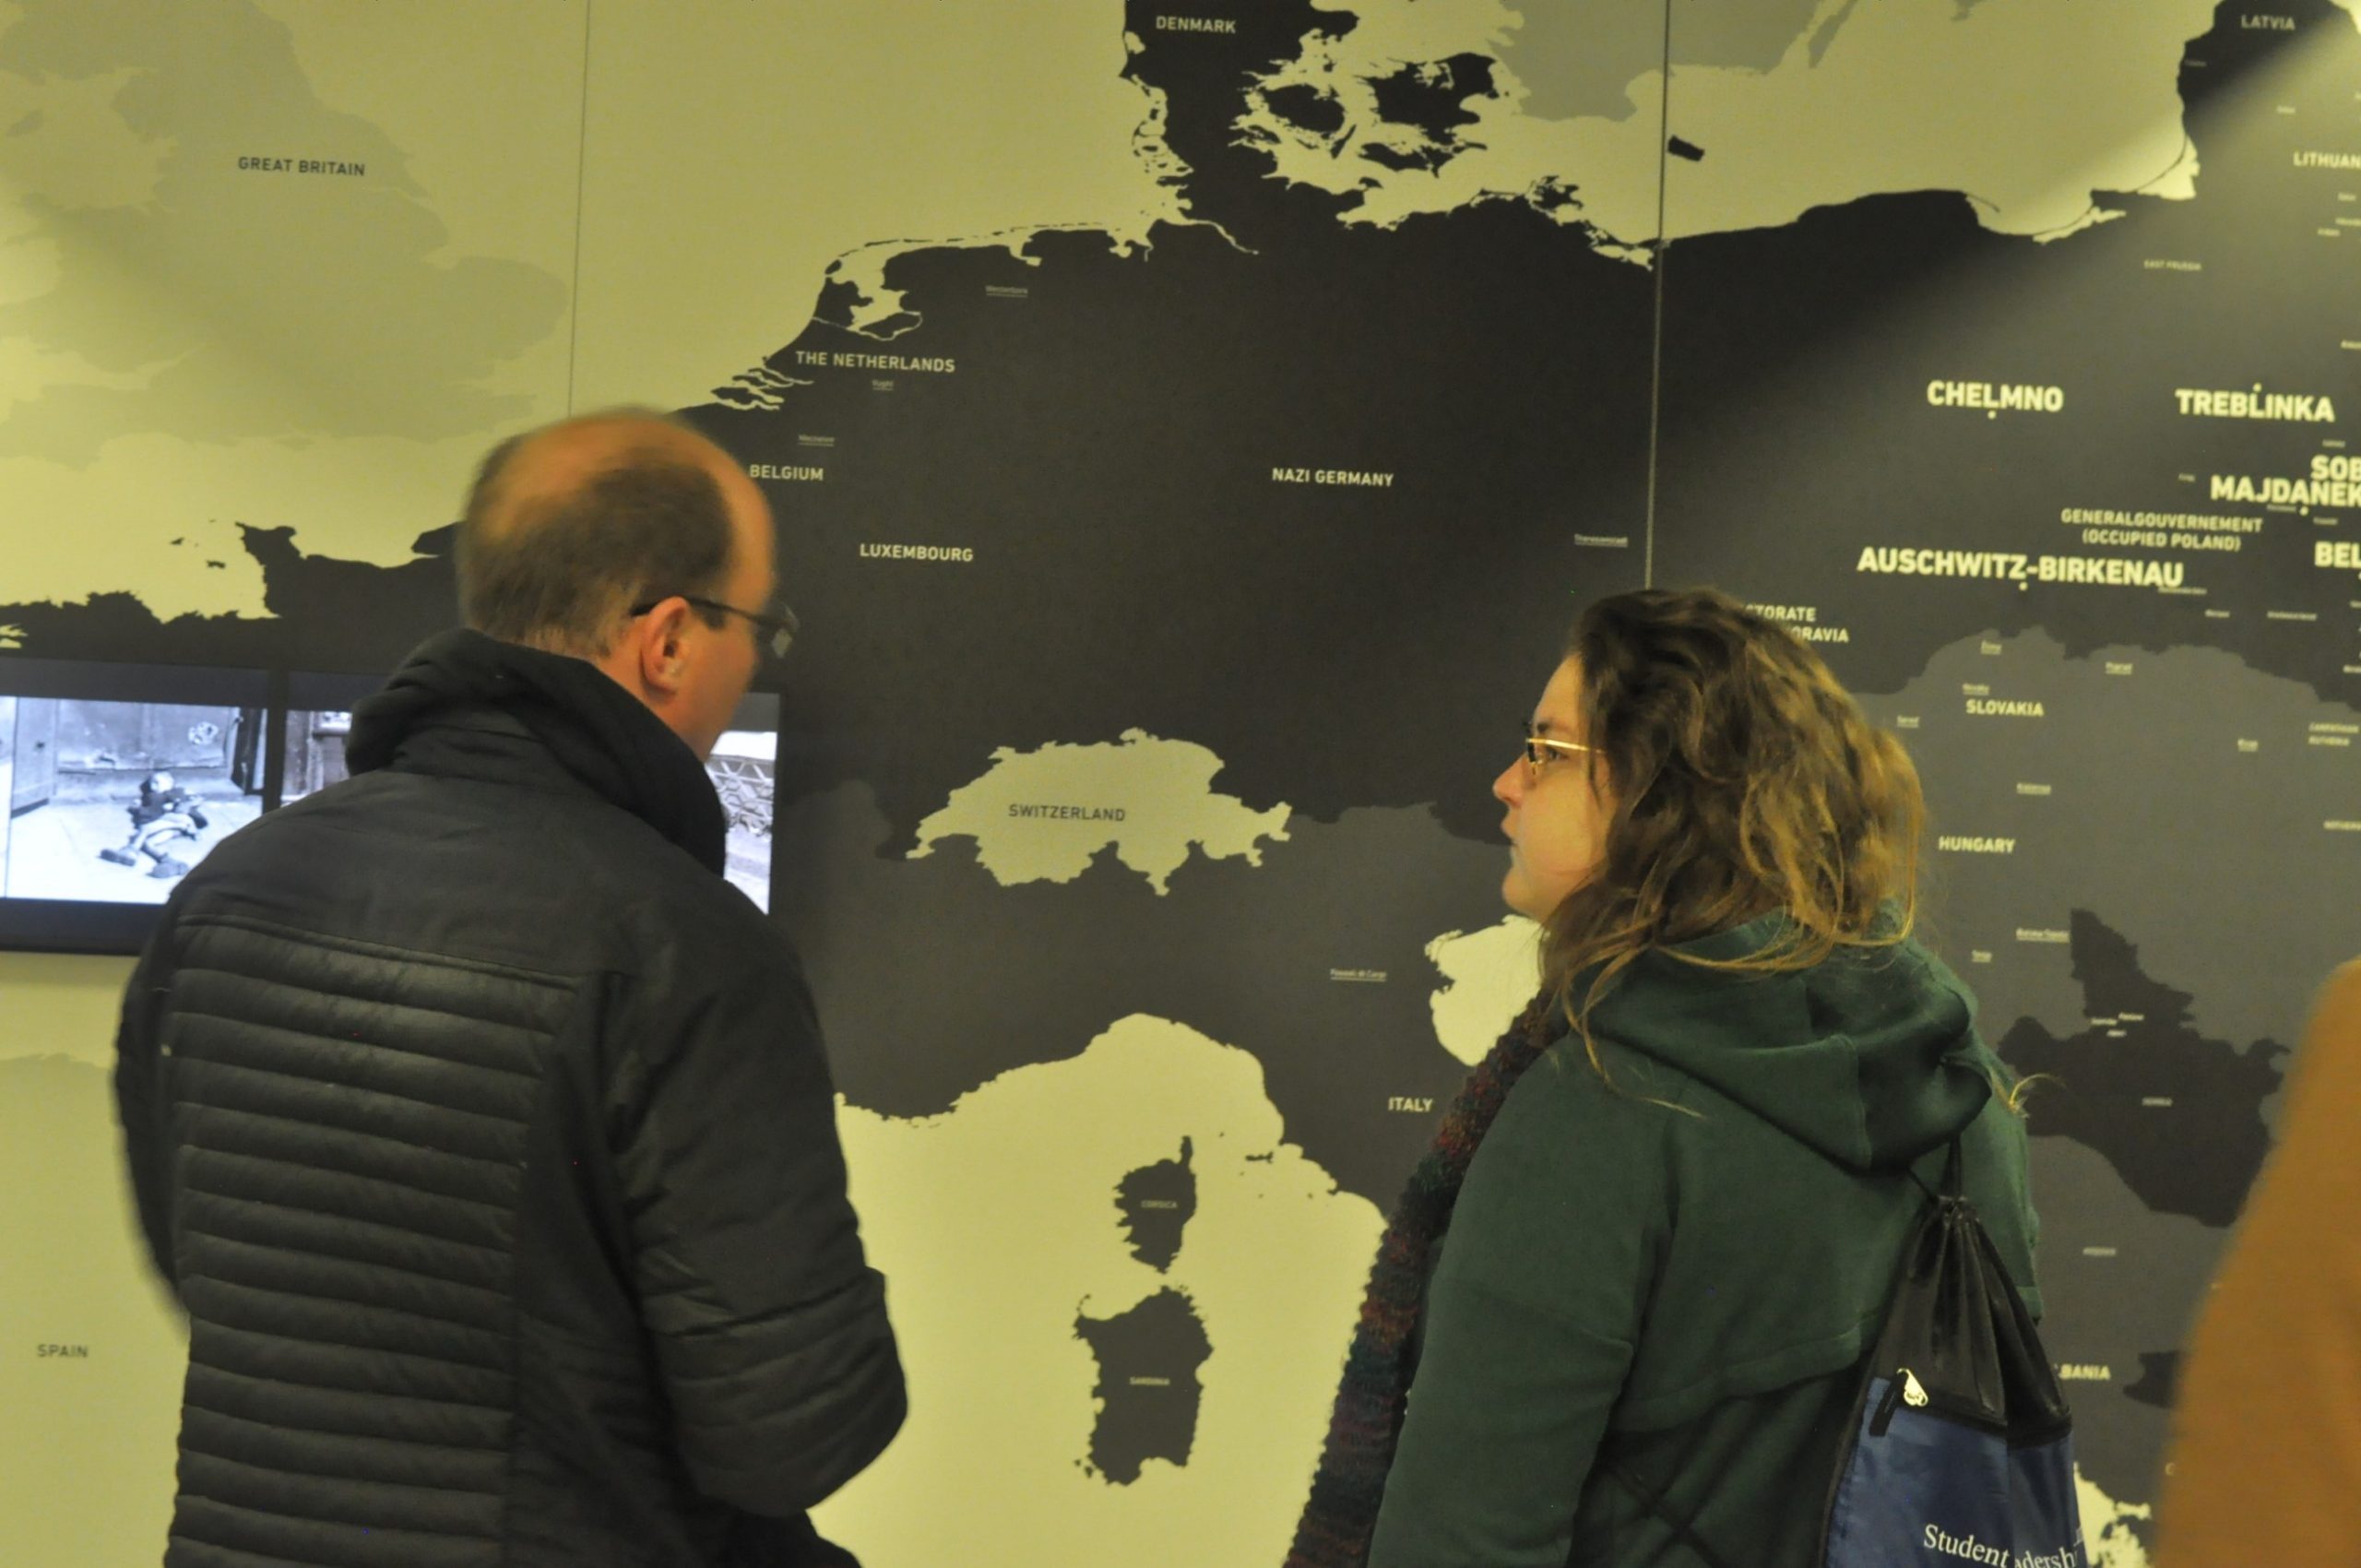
1561	706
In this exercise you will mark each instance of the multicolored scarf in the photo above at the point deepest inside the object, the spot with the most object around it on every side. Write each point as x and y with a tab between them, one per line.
1336	1525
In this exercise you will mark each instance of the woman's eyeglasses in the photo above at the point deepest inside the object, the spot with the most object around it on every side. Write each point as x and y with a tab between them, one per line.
1541	751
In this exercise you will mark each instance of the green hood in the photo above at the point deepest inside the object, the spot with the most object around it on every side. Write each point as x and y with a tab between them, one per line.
1870	1057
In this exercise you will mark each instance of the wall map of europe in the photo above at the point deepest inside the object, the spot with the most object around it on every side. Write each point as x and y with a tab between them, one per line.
1174	564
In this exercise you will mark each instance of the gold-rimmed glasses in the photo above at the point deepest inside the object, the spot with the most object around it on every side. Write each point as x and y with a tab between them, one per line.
1541	749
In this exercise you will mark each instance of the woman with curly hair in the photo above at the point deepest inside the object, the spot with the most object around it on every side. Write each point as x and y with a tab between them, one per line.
1622	1312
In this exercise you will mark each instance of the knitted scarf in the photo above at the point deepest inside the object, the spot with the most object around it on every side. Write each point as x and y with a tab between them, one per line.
1337	1522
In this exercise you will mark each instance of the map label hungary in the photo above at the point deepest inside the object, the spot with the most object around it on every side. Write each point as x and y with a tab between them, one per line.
1045	815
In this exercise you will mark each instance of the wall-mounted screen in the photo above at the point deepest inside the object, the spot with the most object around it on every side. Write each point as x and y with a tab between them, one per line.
319	718
744	766
119	780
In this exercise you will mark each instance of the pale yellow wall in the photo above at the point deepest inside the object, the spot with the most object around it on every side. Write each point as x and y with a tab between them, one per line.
86	1442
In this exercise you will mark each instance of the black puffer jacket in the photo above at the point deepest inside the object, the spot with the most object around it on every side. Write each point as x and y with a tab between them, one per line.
485	1132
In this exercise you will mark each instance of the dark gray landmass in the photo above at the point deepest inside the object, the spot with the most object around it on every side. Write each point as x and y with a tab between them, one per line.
1837	323
1148	1391
2180	1116
1158	1202
1433	97
2159	1380
2184	798
1307	108
2118	1280
320	612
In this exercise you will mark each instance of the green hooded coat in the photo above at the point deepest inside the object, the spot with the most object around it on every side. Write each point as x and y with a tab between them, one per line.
1678	1268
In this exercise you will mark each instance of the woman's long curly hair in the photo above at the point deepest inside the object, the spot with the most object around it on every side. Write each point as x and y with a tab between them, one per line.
1743	780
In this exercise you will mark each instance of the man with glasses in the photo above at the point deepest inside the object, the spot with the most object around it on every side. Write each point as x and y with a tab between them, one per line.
483	1129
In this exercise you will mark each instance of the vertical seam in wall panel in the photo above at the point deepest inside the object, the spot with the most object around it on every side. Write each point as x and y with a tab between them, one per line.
581	180
1655	368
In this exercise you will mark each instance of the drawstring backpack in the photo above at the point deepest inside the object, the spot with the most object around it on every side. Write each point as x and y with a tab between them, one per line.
1960	1450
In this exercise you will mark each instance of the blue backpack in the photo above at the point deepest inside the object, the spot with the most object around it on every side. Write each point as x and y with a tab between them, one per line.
1962	1450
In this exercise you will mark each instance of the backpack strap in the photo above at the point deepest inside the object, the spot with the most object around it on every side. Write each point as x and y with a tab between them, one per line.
1682	1530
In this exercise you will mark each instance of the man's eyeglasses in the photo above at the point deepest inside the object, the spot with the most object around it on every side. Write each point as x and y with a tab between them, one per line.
779	624
1541	751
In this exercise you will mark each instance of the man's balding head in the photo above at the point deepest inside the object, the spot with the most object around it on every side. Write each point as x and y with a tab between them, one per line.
571	528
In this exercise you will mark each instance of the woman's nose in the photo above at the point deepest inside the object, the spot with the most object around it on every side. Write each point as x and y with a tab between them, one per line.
1509	788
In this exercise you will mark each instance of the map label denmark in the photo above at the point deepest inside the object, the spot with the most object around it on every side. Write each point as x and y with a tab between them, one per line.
1195	24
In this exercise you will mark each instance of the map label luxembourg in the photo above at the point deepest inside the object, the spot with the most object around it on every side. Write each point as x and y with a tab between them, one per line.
1045	815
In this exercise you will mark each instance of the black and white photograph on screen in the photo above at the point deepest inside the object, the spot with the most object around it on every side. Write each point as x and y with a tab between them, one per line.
316	739
115	802
319	721
744	766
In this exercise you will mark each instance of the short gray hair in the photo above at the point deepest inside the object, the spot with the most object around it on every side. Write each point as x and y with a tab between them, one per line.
562	571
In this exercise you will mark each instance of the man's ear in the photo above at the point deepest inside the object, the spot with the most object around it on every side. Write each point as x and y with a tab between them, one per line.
660	657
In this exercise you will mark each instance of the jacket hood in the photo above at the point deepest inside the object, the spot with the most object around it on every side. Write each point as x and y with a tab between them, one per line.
1870	1057
595	730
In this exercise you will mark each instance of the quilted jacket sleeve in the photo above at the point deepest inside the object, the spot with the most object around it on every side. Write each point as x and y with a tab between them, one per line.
141	1066
769	1327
